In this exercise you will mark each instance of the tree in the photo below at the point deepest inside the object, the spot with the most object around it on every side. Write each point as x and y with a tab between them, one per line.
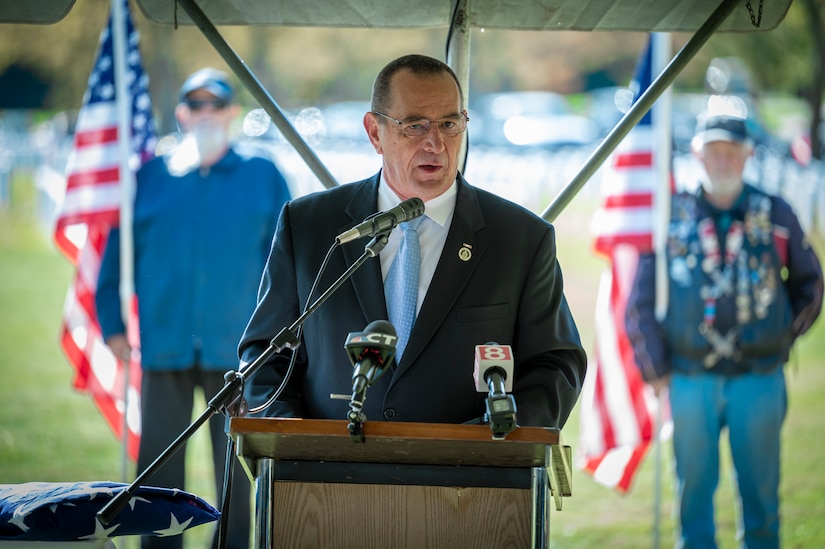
789	58
816	18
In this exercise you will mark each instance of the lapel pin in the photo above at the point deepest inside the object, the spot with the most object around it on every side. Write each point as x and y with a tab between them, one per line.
465	252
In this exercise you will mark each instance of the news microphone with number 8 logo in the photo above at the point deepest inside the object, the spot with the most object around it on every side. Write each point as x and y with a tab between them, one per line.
489	358
493	372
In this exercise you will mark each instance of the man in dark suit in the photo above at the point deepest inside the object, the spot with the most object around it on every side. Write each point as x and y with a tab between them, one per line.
488	273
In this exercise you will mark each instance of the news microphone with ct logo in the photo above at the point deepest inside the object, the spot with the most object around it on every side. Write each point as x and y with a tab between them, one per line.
370	352
384	221
493	373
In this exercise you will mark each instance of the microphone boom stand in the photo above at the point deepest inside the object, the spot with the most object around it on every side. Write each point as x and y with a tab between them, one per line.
230	395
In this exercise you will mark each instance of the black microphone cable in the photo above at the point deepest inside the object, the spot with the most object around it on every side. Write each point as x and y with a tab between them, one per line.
293	357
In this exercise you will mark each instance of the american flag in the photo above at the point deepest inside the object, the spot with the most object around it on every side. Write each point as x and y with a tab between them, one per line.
91	206
617	419
35	512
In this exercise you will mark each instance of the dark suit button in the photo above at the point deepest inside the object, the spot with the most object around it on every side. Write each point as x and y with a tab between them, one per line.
389	413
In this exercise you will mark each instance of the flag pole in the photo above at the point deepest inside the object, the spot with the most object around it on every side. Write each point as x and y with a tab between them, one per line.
661	221
127	186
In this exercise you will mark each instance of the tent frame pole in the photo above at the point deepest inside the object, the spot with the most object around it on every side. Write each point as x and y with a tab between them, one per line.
639	109
266	101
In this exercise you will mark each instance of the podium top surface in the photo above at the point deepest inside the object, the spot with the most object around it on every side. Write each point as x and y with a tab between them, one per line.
391	442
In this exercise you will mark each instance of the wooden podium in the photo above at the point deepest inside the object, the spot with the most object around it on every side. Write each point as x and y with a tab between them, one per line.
409	485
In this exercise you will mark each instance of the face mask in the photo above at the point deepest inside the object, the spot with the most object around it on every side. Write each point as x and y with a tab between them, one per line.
210	139
204	141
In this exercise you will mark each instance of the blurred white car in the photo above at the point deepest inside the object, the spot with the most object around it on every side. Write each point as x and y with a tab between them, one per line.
343	121
528	119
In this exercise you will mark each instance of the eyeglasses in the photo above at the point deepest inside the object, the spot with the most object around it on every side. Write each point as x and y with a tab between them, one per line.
198	104
416	127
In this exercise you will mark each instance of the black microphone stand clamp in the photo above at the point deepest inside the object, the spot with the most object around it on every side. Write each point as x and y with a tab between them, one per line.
356	415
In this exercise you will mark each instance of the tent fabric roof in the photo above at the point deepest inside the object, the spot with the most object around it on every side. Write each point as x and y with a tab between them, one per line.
545	15
43	12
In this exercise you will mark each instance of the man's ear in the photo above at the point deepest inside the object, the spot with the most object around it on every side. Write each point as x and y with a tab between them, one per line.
371	127
234	110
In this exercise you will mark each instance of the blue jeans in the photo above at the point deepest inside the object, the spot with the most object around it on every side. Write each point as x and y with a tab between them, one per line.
752	407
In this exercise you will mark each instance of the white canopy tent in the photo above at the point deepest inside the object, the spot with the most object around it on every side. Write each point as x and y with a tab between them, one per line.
549	15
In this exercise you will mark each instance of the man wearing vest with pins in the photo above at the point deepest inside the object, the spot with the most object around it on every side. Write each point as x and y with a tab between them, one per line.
743	284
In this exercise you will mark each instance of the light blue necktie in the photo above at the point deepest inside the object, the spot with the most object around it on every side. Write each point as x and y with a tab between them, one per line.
401	286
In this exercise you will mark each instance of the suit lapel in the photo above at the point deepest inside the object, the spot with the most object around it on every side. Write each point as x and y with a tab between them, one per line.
367	279
463	250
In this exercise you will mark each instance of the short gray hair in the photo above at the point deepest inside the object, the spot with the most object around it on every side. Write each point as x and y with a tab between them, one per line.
415	63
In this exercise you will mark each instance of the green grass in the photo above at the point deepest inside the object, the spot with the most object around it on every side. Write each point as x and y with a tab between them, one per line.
49	432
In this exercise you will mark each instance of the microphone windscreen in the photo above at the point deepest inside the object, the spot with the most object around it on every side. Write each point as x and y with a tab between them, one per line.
490	356
381	327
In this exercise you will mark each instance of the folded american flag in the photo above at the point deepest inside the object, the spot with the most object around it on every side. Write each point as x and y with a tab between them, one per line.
66	511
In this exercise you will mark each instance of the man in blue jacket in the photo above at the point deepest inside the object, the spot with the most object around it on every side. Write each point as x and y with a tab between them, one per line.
743	284
204	218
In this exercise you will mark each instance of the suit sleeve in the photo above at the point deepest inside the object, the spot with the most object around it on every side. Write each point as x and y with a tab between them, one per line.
547	384
277	308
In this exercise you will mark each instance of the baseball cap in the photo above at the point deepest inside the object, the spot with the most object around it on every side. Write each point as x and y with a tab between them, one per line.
211	80
722	128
